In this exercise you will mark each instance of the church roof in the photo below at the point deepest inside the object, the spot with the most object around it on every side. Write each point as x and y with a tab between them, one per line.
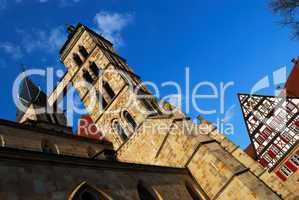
29	94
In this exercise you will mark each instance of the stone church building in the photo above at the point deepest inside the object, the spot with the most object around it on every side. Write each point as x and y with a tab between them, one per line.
150	150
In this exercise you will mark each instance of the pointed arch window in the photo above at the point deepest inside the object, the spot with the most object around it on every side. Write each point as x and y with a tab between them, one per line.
77	59
117	128
48	147
108	89
86	192
129	119
83	51
144	193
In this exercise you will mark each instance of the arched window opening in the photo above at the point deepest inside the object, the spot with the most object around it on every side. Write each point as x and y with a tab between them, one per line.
77	59
87	195
87	77
103	103
86	192
144	193
48	147
130	120
95	69
83	51
108	89
117	128
193	192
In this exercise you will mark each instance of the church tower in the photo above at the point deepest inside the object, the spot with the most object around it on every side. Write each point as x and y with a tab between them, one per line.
146	132
106	85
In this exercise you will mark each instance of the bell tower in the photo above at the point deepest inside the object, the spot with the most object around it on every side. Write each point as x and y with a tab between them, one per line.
105	83
142	132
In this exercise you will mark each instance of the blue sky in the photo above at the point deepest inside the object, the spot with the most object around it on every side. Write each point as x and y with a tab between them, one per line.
220	41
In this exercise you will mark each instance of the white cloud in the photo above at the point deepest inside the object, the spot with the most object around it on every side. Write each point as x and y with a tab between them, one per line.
110	25
14	51
45	40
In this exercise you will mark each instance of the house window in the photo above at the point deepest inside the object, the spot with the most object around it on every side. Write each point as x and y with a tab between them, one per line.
101	100
108	89
295	160
260	139
77	59
83	52
291	107
267	131
119	130
287	136
48	147
275	149
94	68
129	119
87	77
286	171
144	193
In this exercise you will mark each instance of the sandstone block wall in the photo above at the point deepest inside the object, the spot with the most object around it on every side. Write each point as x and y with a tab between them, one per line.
38	177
